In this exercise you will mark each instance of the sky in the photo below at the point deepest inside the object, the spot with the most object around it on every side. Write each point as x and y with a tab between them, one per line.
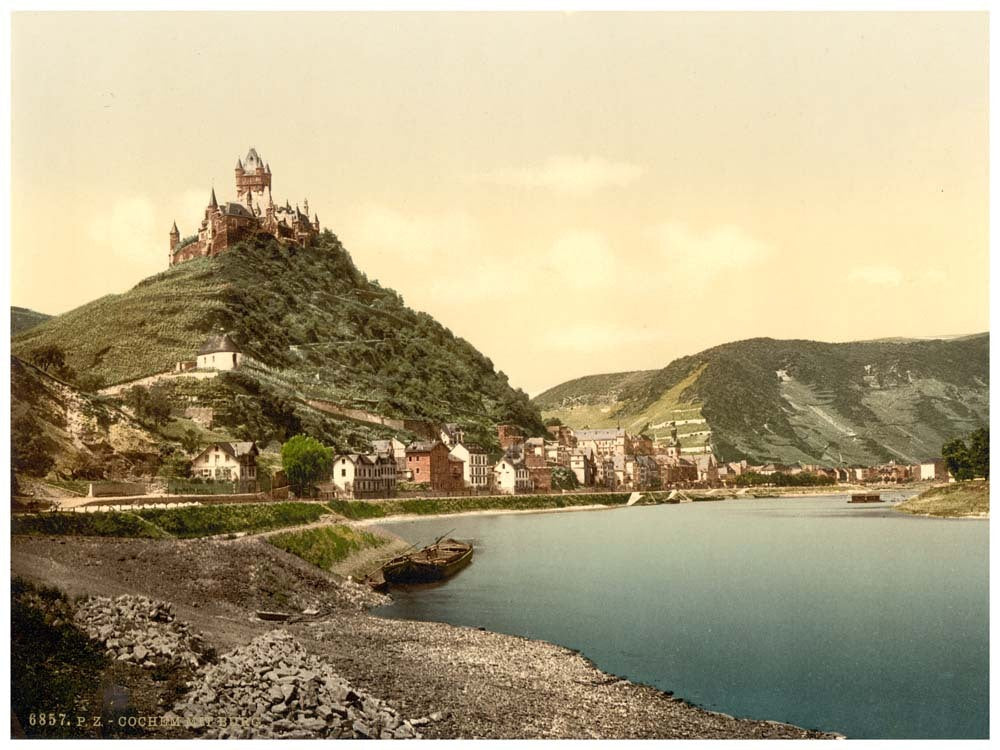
573	193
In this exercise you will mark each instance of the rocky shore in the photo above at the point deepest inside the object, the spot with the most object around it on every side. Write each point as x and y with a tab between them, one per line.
341	671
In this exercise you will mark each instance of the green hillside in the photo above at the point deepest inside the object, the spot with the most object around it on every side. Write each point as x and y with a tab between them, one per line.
857	402
314	327
21	319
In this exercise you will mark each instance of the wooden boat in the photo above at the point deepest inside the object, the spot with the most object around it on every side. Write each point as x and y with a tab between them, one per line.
440	560
862	497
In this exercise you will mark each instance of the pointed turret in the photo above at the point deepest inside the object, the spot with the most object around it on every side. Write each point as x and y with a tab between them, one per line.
175	238
316	222
239	164
213	203
267	168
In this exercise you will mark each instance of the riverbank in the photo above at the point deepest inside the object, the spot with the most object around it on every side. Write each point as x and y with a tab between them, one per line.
475	683
958	500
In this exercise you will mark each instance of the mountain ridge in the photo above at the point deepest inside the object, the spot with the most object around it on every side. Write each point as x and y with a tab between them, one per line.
839	402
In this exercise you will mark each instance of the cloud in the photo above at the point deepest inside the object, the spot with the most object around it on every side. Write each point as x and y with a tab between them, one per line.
129	230
581	259
877	275
696	257
417	239
599	336
577	175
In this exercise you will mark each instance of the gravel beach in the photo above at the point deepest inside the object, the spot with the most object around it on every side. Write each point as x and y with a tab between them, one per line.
436	680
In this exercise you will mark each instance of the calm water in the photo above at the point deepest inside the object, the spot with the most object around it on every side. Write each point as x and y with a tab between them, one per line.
856	619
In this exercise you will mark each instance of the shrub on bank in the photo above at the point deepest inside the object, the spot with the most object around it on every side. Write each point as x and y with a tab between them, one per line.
360	509
327	545
200	520
110	523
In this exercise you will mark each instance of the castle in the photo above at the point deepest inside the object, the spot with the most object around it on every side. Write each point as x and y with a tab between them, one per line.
254	212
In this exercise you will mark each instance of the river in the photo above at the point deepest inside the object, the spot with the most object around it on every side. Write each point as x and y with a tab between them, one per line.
851	618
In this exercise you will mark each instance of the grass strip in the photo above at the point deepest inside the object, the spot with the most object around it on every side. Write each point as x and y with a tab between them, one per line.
327	545
362	509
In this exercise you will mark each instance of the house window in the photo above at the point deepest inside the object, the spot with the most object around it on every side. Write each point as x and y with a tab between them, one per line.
343	472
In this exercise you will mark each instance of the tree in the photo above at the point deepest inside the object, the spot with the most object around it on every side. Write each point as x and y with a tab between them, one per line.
149	404
158	405
190	440
979	452
175	466
553	422
48	357
306	461
968	461
564	479
31	452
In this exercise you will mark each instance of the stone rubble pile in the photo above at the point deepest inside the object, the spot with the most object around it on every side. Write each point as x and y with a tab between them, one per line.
359	596
140	631
272	688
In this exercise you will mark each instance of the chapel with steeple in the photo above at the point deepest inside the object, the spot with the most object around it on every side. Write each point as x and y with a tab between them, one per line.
253	212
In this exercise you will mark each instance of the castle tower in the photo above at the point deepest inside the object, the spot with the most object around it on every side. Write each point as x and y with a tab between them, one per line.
175	237
252	175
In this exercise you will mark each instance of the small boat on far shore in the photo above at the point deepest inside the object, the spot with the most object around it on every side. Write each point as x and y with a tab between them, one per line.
861	497
440	560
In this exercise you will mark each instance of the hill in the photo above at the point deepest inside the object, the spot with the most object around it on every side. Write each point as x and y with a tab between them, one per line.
314	328
21	319
787	401
56	428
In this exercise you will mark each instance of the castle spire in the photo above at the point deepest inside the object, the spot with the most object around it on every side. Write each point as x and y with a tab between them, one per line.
239	163
174	229
213	203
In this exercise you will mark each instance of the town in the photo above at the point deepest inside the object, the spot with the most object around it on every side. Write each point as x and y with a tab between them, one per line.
565	460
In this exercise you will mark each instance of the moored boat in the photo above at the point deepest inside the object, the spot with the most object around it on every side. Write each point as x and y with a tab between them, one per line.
861	497
440	560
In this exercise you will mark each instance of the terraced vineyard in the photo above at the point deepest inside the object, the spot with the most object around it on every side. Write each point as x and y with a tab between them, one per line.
787	401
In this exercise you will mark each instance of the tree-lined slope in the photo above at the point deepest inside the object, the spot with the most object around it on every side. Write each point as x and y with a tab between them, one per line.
313	326
770	400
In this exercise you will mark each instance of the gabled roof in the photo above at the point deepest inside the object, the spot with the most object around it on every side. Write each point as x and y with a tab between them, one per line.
218	343
236	209
421	446
234	449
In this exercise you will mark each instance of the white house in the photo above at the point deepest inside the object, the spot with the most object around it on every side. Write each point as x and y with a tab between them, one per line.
363	475
934	468
476	464
511	476
229	462
219	353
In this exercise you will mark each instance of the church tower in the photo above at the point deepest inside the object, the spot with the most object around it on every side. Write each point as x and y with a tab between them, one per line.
175	237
